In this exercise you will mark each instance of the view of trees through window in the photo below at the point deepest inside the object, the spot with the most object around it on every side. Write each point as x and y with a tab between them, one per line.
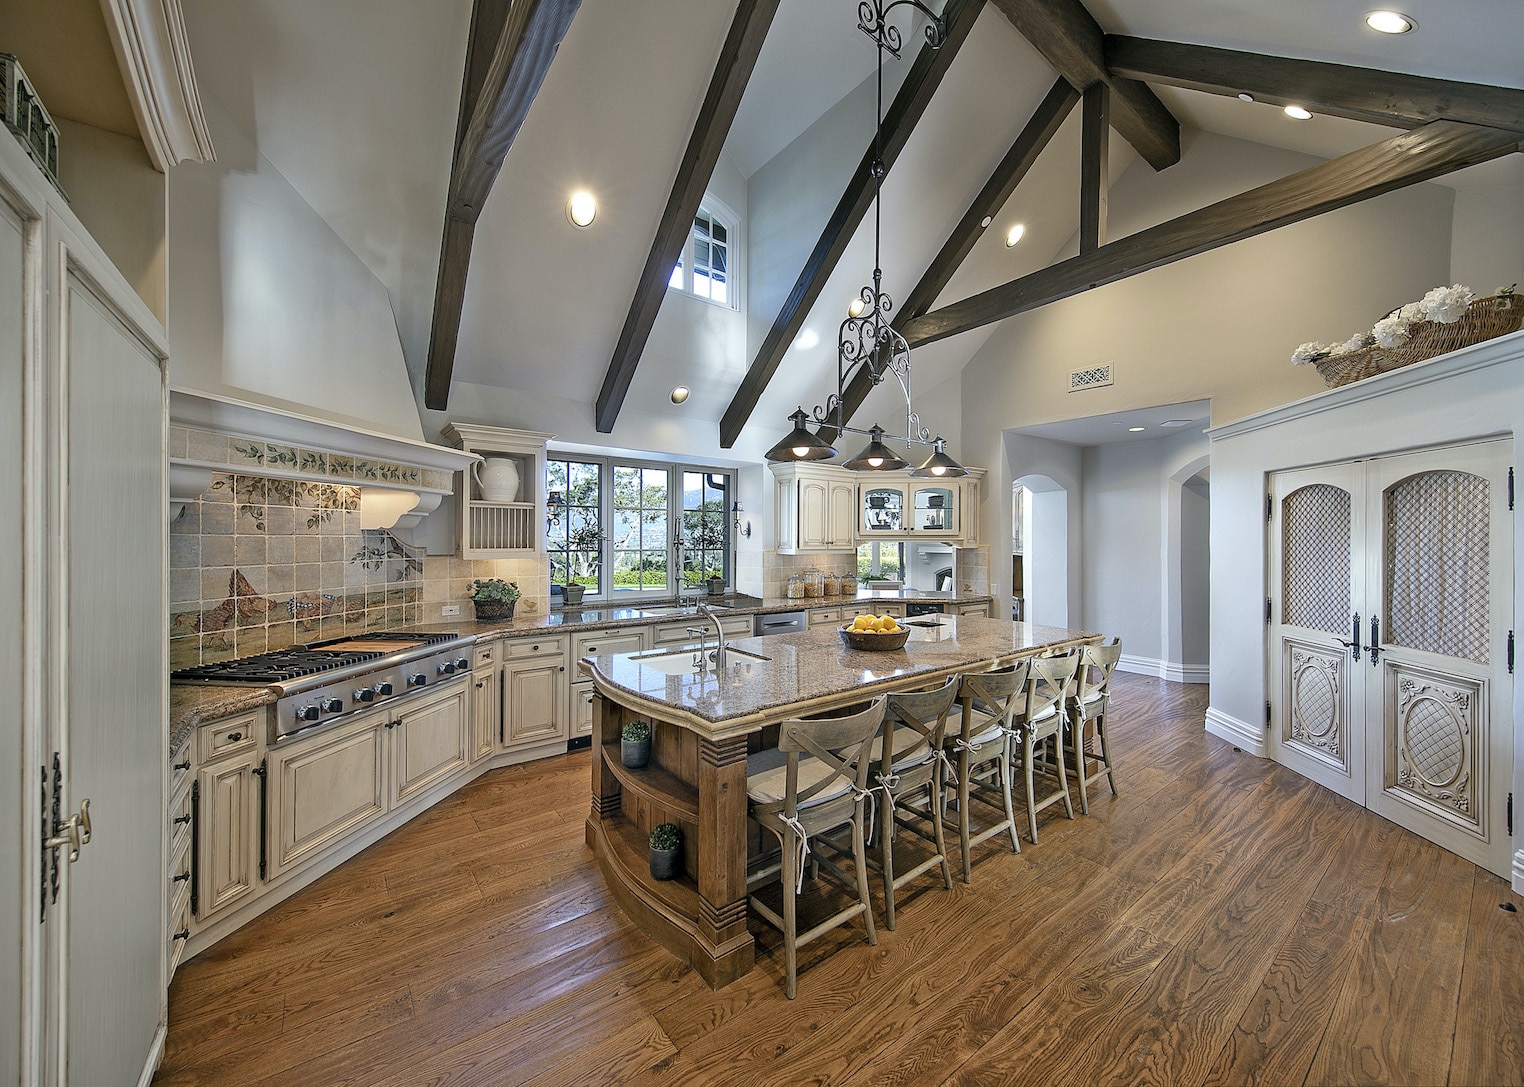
610	525
881	560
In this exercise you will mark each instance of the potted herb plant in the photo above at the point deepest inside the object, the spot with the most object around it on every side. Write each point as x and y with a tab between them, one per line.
666	851
635	744
494	598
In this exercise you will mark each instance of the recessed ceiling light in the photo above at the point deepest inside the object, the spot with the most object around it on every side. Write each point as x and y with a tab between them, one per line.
1389	22
581	209
806	340
986	221
1298	112
855	308
679	394
1136	429
1014	235
1245	96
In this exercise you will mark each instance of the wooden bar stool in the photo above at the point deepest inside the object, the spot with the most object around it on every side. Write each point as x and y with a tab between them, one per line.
1043	720
907	761
814	782
981	747
1087	709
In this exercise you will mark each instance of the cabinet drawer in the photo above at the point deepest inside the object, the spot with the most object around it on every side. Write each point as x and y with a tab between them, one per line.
736	626
820	617
485	655
228	735
584	700
180	765
179	927
179	820
180	869
518	648
590	643
982	610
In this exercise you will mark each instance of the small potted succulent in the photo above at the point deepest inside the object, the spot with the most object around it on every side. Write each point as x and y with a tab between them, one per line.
494	598
635	744
666	851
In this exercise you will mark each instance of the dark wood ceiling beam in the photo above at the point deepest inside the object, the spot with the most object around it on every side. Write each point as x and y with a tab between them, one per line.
1036	135
732	72
1095	173
1432	151
924	77
510	49
1072	42
1339	90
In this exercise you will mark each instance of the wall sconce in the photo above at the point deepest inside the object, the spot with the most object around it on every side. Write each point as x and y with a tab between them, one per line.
554	505
736	510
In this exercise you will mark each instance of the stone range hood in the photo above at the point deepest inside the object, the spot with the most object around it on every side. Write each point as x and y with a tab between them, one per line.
401	480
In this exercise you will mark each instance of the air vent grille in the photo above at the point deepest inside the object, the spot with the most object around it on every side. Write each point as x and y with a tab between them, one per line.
1091	377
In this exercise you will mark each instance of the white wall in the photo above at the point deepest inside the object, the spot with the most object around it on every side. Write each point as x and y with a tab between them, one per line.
269	304
1053	466
1487	249
1194	597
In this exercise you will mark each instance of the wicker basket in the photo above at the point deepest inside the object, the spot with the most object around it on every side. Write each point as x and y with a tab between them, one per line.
494	612
1495	315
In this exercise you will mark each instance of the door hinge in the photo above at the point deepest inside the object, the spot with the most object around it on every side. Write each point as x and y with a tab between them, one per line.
1267	715
1269	506
1268	607
49	861
1510	488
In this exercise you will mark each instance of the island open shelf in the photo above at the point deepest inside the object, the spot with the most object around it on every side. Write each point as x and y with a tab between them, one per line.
703	726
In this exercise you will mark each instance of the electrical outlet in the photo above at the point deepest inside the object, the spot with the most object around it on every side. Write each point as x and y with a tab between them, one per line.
449	610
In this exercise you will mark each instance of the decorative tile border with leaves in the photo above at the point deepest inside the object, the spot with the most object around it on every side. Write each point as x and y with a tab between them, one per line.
209	447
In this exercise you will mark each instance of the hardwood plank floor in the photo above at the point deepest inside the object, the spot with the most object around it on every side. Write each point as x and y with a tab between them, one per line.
1222	921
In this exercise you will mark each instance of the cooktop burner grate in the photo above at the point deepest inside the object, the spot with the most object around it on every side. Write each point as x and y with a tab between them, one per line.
284	665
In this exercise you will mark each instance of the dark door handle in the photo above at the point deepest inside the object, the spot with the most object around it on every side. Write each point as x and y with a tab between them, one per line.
1354	633
1375	643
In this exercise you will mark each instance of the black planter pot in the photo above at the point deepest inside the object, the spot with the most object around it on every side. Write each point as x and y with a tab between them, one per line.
666	863
634	753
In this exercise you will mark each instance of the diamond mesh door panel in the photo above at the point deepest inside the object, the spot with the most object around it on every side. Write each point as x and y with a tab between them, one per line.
1315	571
1437	563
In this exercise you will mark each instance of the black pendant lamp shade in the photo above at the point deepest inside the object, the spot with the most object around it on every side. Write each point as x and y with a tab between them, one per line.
939	465
876	457
801	444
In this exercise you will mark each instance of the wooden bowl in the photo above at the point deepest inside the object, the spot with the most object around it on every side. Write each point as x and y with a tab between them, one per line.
871	641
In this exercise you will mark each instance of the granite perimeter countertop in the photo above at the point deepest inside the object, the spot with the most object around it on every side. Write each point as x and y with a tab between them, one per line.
190	706
813	669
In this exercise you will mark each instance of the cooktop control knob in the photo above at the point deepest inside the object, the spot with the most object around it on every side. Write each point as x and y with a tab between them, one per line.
333	705
447	668
417	680
308	713
463	664
383	689
365	694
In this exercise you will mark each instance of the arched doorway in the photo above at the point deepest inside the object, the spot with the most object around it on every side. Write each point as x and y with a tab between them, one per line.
1188	572
1040	549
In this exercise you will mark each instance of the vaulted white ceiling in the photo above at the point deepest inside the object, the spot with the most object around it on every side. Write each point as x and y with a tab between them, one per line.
355	101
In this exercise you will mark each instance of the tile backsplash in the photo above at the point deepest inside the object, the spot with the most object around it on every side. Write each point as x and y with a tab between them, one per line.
258	563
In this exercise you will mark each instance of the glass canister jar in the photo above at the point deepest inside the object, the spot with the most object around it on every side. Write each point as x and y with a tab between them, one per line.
796	587
814	582
832	584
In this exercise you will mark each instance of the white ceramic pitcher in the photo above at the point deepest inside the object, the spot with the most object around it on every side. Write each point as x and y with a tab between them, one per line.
498	479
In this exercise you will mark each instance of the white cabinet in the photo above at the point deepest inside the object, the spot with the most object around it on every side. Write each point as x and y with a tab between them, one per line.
894	508
498	527
583	700
325	786
486	704
816	508
534	692
676	636
981	610
429	742
227	829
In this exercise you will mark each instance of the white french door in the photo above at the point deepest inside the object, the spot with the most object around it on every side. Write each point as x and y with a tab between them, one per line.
1391	583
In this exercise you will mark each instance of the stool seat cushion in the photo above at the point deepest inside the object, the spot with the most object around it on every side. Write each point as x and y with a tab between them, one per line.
904	737
767	779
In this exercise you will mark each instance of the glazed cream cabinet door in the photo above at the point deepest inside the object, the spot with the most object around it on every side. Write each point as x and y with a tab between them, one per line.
534	702
841	514
486	713
428	742
325	786
227	868
813	514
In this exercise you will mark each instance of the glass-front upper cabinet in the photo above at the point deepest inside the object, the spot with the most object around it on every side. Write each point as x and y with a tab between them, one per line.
934	510
883	507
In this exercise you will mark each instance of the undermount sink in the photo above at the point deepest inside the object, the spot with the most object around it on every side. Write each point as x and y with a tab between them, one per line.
677	609
680	662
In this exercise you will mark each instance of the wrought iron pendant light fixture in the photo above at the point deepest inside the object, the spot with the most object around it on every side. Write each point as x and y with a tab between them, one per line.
867	342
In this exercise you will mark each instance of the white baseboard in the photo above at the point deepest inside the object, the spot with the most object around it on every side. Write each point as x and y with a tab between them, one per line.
1162	669
1236	732
155	1055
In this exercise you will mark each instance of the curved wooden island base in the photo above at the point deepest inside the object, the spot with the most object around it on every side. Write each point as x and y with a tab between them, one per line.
703	726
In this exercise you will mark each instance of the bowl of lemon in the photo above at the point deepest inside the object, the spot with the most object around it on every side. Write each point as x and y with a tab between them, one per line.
874	632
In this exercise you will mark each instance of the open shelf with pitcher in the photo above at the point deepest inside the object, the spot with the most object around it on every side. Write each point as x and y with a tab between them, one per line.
500	499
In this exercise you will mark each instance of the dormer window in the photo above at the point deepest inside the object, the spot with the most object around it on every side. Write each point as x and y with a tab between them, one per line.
706	268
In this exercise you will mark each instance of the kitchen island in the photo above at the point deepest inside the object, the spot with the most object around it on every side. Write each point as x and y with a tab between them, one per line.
704	723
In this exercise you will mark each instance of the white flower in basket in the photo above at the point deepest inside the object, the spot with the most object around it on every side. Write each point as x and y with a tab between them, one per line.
1391	331
1447	304
1358	342
1309	353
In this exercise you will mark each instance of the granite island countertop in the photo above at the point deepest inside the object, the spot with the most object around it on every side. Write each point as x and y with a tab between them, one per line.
813	669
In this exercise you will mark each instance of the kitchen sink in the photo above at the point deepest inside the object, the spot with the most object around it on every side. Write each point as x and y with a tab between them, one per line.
679	662
677	609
